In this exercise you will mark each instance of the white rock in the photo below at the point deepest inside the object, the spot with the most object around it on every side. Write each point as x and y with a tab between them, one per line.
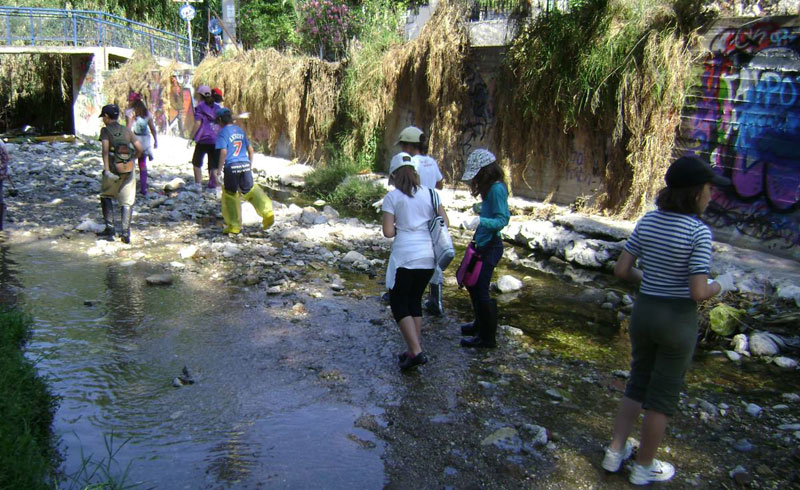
177	265
785	362
740	344
789	427
127	263
353	256
789	291
91	226
174	184
187	252
249	215
230	250
762	345
512	331
791	397
508	284
753	409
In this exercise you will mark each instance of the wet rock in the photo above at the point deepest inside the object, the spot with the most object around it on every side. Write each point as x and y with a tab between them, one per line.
627	300
508	284
733	356
613	298
591	295
502	437
607	306
160	279
554	394
186	376
753	410
785	362
762	344
337	287
740	344
743	446
791	397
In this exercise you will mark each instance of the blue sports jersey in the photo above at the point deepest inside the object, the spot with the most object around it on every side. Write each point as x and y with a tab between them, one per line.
234	139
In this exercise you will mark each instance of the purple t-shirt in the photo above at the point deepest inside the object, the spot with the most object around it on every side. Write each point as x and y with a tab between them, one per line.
206	114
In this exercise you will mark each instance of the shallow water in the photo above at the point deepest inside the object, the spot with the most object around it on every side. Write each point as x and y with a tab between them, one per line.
278	395
248	418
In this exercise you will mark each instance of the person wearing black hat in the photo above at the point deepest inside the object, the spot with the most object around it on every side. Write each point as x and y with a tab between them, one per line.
120	150
673	248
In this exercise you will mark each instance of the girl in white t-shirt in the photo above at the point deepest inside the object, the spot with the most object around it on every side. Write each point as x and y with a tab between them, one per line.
406	212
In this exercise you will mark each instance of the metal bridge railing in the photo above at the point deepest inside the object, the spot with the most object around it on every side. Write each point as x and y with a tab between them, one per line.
24	26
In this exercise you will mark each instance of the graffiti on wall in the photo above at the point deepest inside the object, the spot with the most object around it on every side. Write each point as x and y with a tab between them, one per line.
475	130
745	119
89	99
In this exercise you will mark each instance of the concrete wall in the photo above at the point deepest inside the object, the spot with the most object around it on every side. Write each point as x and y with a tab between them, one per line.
87	92
744	118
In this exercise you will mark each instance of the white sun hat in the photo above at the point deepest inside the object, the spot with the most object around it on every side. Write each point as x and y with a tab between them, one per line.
401	160
411	134
476	161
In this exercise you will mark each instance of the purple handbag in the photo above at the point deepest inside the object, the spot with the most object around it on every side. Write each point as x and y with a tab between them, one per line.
470	268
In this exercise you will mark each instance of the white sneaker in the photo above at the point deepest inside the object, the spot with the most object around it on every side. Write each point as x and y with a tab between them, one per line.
613	460
657	471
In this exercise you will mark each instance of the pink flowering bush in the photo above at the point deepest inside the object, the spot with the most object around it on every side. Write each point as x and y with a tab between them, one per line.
325	27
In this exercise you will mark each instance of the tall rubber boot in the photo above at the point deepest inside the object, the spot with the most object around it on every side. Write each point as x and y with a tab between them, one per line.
434	304
127	214
263	204
143	175
212	178
471	328
231	212
107	205
486	338
2	215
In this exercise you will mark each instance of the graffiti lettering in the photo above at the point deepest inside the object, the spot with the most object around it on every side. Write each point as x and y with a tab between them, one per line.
746	122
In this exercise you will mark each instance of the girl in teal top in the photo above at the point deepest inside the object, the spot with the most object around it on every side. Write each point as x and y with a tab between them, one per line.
486	179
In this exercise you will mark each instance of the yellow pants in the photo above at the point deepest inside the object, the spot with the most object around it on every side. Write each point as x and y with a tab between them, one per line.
232	208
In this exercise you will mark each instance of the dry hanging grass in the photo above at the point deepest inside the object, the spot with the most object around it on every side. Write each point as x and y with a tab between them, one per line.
425	76
139	74
651	98
285	94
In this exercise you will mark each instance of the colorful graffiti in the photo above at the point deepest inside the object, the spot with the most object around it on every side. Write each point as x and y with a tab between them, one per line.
745	119
88	99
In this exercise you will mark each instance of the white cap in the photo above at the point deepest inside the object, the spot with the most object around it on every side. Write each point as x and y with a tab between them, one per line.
411	134
401	160
476	161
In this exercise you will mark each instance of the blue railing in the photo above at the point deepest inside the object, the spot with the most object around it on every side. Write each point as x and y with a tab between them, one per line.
24	26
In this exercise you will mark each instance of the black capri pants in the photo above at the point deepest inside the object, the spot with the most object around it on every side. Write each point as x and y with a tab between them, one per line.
406	296
210	149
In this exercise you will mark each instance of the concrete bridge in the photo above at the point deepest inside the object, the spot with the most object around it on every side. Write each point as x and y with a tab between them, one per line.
95	42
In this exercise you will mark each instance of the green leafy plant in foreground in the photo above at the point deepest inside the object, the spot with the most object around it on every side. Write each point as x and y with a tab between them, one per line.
27	451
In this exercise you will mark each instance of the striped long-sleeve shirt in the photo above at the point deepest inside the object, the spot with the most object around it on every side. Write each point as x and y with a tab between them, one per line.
670	247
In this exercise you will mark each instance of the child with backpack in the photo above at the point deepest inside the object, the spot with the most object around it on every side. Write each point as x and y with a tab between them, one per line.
120	149
237	154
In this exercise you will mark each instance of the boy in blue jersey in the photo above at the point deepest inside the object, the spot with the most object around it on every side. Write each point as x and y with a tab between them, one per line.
237	153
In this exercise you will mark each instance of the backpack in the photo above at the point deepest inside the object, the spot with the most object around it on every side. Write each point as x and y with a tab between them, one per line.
121	150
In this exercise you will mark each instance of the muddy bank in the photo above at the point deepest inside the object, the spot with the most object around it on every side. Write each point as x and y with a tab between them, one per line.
294	355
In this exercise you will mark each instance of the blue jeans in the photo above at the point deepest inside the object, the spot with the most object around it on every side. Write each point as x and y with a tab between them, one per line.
491	255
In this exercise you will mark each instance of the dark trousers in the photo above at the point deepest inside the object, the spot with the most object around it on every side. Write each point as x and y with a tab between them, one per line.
409	286
491	255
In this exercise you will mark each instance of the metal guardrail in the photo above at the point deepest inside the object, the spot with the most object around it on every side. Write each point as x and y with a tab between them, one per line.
25	26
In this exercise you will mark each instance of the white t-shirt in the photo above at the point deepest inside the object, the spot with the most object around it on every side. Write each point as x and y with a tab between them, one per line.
428	171
412	247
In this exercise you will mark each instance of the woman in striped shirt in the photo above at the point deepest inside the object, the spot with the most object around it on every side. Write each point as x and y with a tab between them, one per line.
673	248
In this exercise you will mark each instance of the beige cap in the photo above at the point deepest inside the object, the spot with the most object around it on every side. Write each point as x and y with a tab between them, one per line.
411	134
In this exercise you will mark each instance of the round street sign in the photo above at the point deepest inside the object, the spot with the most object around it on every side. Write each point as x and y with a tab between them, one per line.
187	12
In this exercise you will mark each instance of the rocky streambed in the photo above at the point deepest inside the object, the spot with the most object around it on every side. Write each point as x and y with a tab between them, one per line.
288	342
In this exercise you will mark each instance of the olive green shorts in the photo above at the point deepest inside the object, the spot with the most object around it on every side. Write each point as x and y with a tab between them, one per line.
663	335
122	189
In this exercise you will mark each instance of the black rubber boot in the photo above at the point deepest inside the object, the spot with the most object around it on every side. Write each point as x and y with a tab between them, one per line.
487	313
108	218
2	215
434	304
127	213
472	327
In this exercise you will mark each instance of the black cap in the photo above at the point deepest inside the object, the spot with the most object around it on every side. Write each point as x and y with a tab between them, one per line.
691	171
110	110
